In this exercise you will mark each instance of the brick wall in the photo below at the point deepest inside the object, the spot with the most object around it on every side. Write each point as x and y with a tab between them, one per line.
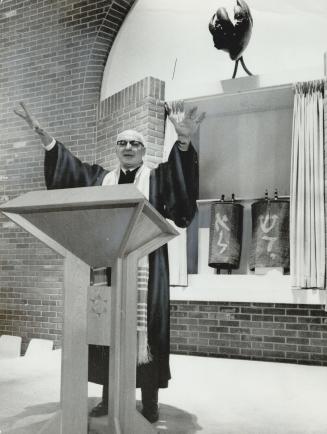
292	333
52	54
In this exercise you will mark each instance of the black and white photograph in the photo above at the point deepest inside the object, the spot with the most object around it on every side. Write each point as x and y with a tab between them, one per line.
163	245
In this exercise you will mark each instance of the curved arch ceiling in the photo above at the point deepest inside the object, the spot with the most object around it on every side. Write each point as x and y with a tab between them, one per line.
169	40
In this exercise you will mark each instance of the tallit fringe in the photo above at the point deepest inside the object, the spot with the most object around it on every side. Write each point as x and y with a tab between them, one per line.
143	351
142	182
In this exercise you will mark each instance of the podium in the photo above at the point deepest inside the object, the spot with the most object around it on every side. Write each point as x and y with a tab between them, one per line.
94	227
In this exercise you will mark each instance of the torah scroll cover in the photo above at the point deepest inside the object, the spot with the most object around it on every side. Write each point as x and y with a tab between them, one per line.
226	228
270	235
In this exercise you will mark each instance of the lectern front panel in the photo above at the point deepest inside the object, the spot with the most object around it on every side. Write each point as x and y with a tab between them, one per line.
143	232
98	315
94	235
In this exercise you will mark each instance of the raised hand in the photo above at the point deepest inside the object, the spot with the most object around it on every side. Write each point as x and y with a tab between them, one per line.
33	123
187	127
28	117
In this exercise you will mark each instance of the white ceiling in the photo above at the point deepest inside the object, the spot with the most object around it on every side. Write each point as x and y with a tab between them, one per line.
288	36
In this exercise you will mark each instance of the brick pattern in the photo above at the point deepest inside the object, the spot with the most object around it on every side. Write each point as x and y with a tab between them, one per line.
53	54
139	106
292	333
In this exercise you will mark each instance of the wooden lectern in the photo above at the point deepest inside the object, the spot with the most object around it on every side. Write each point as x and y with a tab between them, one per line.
96	227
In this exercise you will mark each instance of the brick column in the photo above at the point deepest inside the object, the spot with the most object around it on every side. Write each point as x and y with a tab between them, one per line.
140	107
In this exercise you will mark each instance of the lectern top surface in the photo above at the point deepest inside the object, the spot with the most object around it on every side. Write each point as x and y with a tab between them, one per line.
75	197
96	224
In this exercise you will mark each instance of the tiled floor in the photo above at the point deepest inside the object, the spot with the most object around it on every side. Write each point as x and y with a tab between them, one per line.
207	396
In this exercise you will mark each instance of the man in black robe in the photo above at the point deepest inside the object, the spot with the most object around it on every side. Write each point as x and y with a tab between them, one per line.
172	190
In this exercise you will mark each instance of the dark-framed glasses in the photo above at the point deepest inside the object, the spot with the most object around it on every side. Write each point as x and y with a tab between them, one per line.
134	143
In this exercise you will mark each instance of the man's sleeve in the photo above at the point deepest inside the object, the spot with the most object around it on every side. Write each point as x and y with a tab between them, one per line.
179	185
63	170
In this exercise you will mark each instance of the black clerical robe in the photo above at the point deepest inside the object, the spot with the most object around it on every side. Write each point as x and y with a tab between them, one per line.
173	192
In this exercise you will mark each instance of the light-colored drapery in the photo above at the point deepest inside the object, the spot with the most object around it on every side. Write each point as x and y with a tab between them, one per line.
177	250
307	213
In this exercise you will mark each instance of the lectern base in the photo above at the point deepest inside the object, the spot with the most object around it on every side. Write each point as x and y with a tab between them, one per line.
100	426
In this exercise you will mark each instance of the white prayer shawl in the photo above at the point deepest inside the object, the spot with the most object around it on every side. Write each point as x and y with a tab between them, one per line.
142	182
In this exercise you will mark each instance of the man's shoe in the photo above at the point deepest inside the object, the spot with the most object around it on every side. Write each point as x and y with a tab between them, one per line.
150	403
100	410
152	416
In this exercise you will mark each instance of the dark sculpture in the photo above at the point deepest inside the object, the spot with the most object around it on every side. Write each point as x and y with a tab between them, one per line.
230	37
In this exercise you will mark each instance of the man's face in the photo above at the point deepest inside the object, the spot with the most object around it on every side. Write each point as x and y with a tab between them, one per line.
130	151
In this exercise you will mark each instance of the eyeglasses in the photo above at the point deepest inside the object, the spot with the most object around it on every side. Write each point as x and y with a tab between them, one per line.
134	143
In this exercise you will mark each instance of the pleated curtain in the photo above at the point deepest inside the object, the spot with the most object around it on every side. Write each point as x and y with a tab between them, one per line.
177	248
307	210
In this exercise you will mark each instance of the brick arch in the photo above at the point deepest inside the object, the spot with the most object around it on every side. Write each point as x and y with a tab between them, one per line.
113	17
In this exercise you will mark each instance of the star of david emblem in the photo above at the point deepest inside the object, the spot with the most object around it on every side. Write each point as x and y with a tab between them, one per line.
99	305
